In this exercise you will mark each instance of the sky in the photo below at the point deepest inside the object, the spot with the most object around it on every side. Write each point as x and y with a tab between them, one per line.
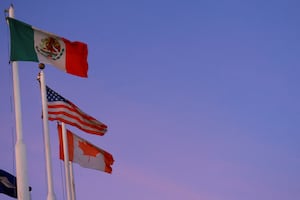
201	98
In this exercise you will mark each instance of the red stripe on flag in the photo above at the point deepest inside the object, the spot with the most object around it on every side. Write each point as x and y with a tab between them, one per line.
65	111
82	119
96	132
68	120
76	58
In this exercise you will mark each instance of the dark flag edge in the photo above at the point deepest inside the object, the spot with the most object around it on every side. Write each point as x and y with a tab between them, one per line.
8	184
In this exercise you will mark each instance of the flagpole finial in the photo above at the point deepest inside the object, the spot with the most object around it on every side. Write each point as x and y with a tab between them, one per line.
41	66
10	7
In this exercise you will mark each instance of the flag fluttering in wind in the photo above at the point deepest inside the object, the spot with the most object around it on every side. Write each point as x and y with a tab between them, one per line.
84	153
8	184
31	44
65	111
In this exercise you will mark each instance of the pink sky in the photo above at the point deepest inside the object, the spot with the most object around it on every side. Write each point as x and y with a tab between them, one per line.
200	98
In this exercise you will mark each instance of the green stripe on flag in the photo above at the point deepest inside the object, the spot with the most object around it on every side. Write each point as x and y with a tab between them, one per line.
22	41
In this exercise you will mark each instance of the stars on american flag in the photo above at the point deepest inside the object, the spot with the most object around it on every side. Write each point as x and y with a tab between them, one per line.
53	96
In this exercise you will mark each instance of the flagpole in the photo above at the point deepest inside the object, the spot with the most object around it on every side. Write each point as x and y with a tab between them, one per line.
20	147
72	180
51	195
66	161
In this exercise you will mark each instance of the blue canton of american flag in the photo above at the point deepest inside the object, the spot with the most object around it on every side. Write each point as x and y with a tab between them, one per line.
53	96
63	110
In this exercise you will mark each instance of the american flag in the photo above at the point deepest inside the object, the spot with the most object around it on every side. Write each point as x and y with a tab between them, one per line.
65	111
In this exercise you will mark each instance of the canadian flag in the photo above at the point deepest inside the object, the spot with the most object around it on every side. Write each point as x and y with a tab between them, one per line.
84	153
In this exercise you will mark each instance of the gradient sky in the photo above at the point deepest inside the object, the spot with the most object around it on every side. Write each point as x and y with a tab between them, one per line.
201	98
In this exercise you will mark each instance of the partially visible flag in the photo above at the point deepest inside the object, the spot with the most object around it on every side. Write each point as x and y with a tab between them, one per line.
31	44
8	184
65	111
84	153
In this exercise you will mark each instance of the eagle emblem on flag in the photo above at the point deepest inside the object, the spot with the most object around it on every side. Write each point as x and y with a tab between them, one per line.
50	48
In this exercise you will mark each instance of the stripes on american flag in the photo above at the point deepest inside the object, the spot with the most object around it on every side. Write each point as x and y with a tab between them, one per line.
65	111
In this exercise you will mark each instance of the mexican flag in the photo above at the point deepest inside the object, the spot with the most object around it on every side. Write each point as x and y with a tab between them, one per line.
31	44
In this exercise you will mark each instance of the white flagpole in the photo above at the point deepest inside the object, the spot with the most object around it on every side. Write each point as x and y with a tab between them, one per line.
66	161
20	147
72	181
51	195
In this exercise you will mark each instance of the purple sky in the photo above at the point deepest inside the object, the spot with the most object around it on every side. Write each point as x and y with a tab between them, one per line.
201	98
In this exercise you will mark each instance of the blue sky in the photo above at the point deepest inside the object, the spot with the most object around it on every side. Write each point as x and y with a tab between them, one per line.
201	98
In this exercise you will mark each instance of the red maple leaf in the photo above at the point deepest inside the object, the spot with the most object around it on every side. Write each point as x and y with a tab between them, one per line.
88	149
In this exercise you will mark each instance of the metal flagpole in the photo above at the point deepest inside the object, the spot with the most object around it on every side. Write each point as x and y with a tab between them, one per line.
51	195
72	180
66	160
20	147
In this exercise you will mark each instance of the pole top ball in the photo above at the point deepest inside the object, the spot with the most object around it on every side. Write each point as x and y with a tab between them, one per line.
41	65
